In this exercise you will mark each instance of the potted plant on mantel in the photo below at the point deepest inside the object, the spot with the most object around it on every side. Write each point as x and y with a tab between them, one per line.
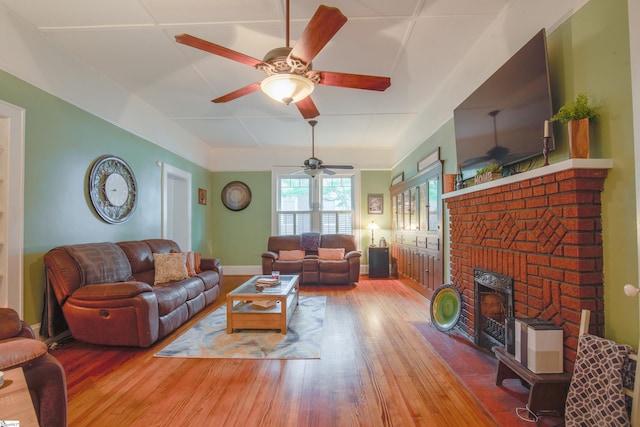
576	115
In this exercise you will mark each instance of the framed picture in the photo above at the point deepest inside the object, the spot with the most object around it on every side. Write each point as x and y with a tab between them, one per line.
202	196
397	179
374	204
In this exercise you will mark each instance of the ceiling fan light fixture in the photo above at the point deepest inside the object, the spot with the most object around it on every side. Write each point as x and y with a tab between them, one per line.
287	88
313	172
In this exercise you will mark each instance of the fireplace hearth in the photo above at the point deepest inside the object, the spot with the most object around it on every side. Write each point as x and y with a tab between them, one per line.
493	296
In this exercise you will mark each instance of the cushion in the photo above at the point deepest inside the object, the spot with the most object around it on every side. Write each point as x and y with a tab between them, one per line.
169	267
191	258
333	254
295	255
191	269
196	262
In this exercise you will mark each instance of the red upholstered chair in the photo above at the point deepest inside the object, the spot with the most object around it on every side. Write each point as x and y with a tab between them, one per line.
44	374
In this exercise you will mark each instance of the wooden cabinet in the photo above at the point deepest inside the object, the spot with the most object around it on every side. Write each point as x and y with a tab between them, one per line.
416	242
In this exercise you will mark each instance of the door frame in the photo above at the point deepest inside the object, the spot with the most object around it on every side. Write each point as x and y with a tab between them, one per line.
12	230
176	184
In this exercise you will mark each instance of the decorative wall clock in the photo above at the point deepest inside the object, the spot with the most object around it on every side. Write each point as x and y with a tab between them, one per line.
236	195
112	189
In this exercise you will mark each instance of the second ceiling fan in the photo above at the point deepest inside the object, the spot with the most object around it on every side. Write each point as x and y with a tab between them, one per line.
290	77
313	166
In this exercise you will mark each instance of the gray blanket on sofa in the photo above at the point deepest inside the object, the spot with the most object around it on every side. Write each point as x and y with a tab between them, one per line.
100	262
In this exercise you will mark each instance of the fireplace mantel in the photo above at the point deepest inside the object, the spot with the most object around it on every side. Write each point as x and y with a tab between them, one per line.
535	173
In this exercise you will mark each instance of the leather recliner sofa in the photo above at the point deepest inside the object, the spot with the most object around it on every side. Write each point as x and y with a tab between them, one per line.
45	376
310	265
108	296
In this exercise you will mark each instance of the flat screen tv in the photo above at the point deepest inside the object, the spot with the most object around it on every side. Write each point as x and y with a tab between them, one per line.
503	120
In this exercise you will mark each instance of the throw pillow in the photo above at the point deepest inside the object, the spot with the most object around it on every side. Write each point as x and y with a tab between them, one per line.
295	255
191	269
196	262
169	267
332	254
190	262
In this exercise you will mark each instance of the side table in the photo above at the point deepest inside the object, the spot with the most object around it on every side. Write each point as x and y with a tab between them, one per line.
547	392
378	262
15	400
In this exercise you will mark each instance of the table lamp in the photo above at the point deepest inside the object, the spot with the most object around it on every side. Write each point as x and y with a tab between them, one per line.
373	226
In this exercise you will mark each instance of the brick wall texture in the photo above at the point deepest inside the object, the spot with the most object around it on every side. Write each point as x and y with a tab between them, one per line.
545	233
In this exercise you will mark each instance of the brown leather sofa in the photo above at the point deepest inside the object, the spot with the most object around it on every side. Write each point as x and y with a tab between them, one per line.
107	292
44	374
311	267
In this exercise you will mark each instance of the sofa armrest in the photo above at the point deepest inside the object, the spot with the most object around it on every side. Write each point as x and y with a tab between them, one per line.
211	264
270	254
268	258
16	352
111	291
352	254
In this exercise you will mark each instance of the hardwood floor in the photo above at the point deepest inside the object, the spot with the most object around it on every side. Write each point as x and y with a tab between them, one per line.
377	369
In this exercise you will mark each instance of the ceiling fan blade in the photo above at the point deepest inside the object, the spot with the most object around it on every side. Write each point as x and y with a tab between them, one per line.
307	108
327	171
324	24
338	166
356	81
192	41
238	93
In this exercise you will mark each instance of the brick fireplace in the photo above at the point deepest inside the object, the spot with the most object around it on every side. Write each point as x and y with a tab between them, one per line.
543	230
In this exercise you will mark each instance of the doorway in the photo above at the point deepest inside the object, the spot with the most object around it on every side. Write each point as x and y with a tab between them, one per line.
12	122
176	206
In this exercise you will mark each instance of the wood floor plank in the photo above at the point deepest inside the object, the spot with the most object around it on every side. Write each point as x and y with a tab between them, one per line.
375	369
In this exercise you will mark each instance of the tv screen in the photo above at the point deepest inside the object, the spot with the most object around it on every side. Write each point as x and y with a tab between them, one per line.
503	120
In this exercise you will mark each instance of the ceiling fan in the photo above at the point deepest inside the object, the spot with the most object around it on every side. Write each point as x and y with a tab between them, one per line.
313	166
290	77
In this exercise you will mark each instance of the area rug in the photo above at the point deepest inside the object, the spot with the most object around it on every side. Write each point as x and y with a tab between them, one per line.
209	339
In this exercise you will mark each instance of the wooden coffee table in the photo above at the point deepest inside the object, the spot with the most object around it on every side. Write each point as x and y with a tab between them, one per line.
242	313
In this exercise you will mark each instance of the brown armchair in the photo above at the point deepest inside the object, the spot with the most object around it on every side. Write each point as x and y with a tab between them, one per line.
44	374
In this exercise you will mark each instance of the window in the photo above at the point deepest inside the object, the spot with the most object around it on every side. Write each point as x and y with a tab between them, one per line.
324	205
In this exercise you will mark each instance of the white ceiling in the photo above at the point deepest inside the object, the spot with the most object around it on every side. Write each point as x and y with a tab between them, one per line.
417	43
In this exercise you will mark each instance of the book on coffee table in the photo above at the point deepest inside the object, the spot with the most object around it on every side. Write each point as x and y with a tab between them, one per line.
264	303
268	281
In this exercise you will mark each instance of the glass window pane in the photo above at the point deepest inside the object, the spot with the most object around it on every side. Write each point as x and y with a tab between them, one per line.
433	204
295	194
336	193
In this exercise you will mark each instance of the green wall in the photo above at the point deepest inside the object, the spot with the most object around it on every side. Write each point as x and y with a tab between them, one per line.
374	182
589	52
239	237
61	143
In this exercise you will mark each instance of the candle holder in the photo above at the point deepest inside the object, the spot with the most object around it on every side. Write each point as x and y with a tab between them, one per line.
545	149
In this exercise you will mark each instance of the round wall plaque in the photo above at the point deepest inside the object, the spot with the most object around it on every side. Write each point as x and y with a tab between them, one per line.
236	195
